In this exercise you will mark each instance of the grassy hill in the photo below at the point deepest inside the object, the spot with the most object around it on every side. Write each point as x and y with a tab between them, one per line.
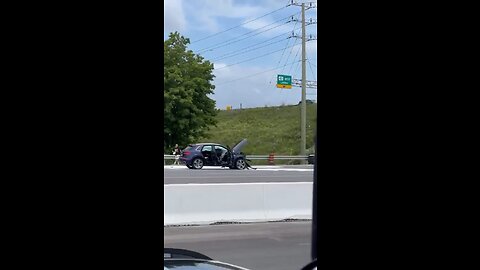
269	129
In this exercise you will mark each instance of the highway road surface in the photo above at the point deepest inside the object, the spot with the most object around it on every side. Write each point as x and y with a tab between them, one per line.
257	246
183	175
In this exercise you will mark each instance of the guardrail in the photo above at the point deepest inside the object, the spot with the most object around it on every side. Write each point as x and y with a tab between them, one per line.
277	157
269	158
258	157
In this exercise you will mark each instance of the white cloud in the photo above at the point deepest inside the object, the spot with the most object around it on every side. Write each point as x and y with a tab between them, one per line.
224	8
219	65
206	12
173	16
227	8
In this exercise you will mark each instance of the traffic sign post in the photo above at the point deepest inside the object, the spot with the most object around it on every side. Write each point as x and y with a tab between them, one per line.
284	81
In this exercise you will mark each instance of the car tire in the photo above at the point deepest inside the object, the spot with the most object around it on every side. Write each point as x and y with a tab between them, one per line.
197	163
189	166
240	164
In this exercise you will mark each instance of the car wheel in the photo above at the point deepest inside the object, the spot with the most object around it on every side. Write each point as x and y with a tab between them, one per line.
197	163
240	164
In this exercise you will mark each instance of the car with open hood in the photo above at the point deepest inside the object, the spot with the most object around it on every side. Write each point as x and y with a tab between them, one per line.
195	156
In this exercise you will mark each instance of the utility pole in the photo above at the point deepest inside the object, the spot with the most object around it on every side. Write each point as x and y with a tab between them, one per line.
303	106
303	139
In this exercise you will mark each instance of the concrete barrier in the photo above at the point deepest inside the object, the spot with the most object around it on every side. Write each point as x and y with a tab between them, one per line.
236	202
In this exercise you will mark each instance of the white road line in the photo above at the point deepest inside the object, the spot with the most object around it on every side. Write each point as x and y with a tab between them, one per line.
229	176
240	184
287	169
258	169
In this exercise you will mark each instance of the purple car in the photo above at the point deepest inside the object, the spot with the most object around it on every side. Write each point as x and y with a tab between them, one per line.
195	156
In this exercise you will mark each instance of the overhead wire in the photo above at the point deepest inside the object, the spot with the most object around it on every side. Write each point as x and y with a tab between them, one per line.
254	58
227	55
298	67
242	50
234	40
254	74
295	57
291	50
311	69
234	27
288	42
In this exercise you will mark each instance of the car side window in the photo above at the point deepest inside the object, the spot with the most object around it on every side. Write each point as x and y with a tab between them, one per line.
207	148
220	149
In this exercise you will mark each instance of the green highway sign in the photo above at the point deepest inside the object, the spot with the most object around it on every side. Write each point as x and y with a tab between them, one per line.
284	81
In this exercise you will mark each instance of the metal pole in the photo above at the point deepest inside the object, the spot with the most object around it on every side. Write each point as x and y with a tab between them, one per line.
304	89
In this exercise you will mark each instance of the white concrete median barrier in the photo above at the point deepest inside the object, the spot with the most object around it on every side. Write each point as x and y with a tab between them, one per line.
236	202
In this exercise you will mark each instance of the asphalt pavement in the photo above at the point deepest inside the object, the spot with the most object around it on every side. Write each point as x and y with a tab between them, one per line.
183	175
259	246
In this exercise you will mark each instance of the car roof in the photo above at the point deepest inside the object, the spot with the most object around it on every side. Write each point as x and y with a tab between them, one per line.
208	144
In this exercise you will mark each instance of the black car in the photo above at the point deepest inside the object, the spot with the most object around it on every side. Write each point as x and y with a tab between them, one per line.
185	259
195	156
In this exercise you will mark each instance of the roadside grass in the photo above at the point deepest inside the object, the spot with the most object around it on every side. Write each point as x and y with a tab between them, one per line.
268	130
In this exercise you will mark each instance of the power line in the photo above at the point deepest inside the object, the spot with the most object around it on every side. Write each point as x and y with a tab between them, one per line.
288	42
254	58
295	57
242	50
235	41
250	50
254	74
311	69
298	66
227	42
281	57
226	30
291	50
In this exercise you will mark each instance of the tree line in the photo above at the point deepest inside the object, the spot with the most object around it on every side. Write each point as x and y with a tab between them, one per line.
187	82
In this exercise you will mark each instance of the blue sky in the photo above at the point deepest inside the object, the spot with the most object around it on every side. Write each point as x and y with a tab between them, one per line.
244	57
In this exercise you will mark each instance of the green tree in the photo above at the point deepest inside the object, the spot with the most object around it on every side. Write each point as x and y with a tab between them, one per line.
187	77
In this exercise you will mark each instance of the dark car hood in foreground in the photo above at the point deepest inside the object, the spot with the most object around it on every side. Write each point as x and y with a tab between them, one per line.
199	264
238	147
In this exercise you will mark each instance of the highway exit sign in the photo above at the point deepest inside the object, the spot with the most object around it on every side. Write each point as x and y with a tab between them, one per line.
284	81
